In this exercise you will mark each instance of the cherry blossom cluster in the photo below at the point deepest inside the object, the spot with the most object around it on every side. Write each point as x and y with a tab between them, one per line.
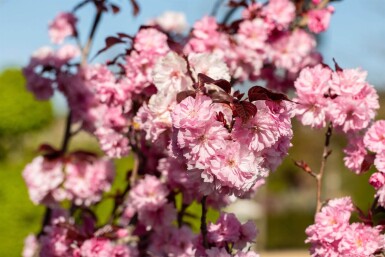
262	44
78	177
373	141
333	234
62	237
175	103
342	97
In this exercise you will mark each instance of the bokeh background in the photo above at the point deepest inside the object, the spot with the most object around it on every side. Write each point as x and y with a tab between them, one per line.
282	209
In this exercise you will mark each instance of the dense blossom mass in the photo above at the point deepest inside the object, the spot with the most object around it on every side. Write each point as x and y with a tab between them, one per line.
174	102
333	234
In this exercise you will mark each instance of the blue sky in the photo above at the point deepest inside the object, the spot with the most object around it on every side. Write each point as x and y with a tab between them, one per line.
356	37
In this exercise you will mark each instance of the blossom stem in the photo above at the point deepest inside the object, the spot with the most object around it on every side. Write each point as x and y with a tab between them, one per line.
181	214
229	14
63	149
216	7
203	222
95	25
67	133
325	155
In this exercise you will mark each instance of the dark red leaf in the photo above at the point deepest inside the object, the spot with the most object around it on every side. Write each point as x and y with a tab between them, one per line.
135	7
223	84
336	66
124	35
220	97
245	110
49	152
367	162
184	94
115	9
233	3
260	93
220	117
238	95
110	41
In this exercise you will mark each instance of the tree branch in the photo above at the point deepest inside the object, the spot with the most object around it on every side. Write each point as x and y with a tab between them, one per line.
203	222
90	39
216	7
325	155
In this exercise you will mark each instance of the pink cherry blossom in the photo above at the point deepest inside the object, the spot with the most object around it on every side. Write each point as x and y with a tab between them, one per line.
226	229
377	180
151	41
355	153
236	167
174	242
319	19
374	138
193	112
62	26
361	240
115	145
149	194
253	34
171	22
280	12
289	50
31	246
97	247
43	177
259	132
86	180
379	161
211	65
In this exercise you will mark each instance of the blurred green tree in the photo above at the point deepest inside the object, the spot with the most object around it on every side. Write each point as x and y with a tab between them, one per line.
19	111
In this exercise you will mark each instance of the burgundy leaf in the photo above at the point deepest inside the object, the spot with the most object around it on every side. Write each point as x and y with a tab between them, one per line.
184	94
49	152
110	41
135	7
260	93
115	9
233	3
336	66
220	97
124	35
220	117
238	95
245	110
367	162
223	84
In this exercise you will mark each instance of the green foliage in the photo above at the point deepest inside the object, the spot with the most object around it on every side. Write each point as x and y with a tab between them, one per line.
19	216
19	111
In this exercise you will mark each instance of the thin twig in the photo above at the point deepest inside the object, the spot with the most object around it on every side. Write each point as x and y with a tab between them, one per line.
216	7
203	222
90	39
46	220
229	14
181	214
63	149
325	155
135	169
67	133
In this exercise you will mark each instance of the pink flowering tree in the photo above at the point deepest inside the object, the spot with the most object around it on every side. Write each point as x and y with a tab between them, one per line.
174	100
